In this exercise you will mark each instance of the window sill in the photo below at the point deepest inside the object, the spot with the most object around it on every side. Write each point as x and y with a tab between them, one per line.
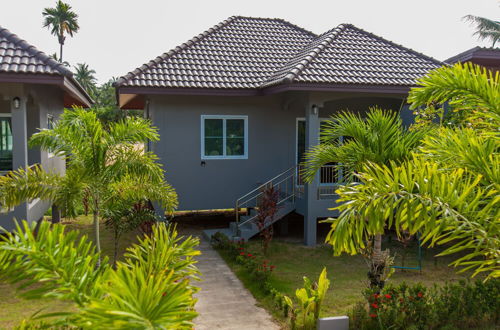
223	157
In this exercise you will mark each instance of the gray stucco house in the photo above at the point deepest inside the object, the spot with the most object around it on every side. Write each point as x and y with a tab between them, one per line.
237	105
34	89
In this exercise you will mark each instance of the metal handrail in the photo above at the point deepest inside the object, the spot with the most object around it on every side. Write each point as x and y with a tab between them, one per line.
264	184
246	198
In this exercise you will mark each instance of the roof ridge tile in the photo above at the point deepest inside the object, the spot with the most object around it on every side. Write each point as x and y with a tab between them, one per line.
327	37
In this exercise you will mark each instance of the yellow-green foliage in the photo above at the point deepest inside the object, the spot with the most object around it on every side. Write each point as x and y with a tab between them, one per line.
151	289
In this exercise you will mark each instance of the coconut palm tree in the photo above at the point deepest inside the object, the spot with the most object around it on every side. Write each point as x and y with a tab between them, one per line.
351	141
449	189
486	29
86	77
61	20
98	159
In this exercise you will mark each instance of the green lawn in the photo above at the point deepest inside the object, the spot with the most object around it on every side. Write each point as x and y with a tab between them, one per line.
14	309
346	273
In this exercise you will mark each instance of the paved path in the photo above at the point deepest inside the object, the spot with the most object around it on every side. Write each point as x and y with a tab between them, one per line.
223	302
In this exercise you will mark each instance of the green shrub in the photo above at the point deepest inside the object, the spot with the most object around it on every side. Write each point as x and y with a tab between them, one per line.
454	306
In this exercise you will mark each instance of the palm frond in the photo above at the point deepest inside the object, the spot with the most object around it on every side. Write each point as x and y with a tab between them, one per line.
378	138
486	29
467	88
53	263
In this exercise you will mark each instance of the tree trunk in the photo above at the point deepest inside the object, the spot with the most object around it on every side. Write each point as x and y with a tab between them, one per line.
61	43
115	256
56	214
96	230
377	264
60	52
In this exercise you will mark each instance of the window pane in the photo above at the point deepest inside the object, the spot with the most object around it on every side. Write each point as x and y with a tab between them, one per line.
213	128
235	128
5	145
213	146
235	146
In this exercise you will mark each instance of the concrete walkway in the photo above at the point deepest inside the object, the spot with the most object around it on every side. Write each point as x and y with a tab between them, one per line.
223	302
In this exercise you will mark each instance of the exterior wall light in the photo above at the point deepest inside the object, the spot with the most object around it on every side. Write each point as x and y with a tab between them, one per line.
315	109
16	102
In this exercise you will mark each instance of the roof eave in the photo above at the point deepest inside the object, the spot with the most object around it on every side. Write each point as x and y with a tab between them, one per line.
68	85
312	87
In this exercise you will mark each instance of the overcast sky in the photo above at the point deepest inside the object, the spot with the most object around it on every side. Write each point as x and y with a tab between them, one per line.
117	36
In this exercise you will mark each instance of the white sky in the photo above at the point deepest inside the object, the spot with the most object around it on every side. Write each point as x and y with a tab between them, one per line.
117	36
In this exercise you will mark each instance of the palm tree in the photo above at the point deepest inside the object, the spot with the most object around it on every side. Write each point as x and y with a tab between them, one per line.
486	29
86	77
351	141
449	189
99	159
61	20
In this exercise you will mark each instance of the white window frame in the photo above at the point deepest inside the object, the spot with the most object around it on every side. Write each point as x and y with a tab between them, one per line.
7	115
223	118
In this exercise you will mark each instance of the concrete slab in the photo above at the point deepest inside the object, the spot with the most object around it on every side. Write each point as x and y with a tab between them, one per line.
223	302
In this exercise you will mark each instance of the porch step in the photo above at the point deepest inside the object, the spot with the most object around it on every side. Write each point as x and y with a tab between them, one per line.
250	229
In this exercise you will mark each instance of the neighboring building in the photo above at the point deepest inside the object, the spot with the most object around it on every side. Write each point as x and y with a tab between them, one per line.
34	89
487	57
240	103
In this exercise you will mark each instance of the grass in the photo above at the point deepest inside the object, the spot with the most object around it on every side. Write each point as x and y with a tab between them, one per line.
346	273
14	309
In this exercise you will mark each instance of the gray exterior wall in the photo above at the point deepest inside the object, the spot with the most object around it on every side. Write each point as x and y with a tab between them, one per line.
271	142
40	101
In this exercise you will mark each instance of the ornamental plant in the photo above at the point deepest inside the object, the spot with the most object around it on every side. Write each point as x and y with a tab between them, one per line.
305	314
447	189
150	289
102	162
458	305
268	207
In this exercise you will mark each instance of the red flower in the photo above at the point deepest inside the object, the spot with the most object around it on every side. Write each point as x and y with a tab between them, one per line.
420	294
376	295
240	248
373	316
242	253
374	305
249	254
388	296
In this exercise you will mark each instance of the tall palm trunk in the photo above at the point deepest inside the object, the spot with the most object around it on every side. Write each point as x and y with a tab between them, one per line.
96	228
61	38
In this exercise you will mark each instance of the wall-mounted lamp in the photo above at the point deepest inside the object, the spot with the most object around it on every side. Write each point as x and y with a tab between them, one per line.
16	102
315	109
203	164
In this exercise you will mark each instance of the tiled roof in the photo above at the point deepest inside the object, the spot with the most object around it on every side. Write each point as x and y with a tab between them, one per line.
476	52
254	53
17	56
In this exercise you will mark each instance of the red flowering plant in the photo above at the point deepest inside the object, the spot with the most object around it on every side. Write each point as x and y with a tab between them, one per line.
398	306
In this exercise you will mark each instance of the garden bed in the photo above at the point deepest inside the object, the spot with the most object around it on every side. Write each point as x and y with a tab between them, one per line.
347	274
